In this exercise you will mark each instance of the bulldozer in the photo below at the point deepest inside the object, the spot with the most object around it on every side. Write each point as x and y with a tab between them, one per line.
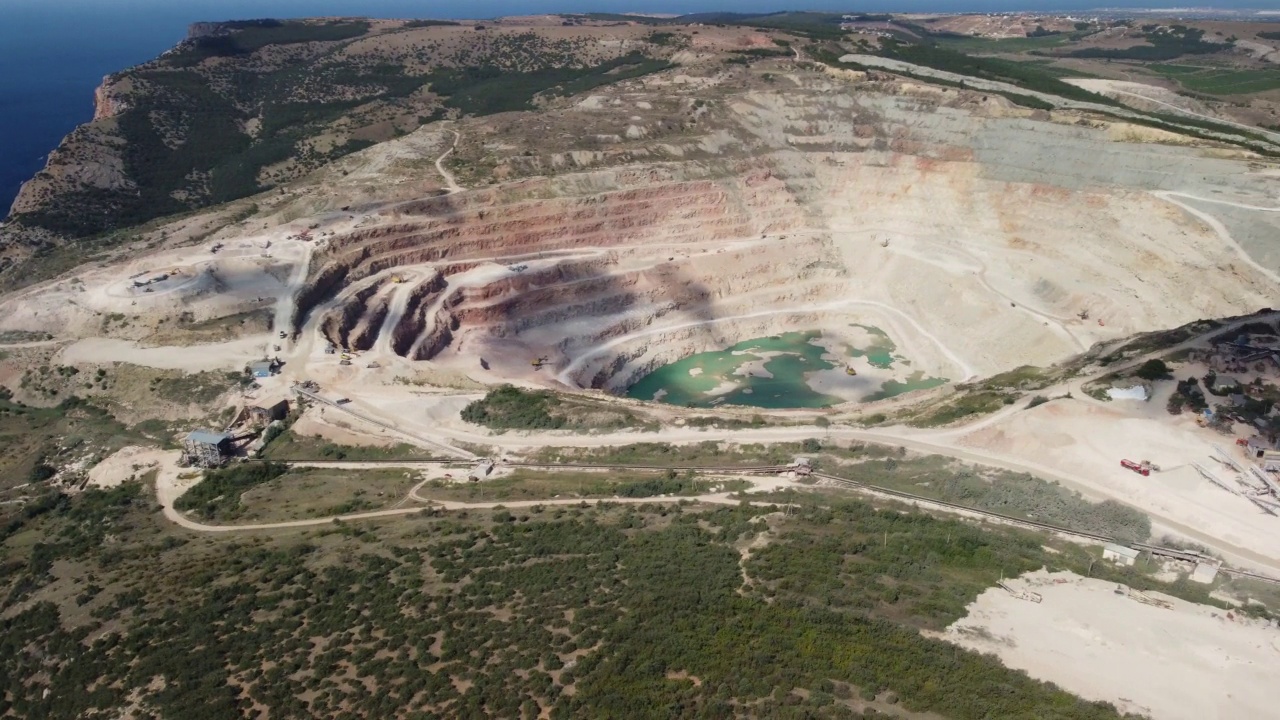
397	279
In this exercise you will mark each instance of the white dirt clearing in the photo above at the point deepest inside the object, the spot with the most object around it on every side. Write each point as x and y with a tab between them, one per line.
1189	662
124	464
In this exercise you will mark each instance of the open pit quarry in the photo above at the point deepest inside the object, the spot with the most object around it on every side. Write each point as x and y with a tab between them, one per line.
584	246
976	234
850	255
980	236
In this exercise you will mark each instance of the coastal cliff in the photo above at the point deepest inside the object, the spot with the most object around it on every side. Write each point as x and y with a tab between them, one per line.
109	98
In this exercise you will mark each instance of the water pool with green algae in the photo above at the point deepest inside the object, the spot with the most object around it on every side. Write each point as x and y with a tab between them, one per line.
775	372
880	352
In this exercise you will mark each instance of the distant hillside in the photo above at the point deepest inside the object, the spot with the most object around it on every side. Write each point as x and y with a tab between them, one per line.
241	107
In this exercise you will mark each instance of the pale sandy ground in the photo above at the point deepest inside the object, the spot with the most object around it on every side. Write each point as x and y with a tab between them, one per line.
339	430
1123	88
233	355
1189	663
1087	439
125	463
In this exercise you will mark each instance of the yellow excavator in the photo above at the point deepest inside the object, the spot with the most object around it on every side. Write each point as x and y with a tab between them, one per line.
848	370
537	364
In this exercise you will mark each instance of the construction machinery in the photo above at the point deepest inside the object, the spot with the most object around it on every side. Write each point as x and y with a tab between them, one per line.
1136	467
344	361
538	363
848	370
397	279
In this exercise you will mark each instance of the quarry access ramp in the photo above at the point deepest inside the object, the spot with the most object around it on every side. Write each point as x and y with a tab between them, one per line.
345	407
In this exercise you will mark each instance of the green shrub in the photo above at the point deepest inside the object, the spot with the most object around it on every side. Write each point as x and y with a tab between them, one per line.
1153	369
509	408
218	494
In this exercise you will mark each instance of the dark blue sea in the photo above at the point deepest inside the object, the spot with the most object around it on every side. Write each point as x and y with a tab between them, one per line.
53	53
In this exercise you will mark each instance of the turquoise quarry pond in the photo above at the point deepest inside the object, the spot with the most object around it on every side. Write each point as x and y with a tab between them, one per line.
791	370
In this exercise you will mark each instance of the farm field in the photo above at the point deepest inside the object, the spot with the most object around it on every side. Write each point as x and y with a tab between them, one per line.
1220	81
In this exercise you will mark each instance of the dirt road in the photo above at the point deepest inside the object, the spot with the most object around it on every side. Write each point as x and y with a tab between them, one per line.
449	179
169	489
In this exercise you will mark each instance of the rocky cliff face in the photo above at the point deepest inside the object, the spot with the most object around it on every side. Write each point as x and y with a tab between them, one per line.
241	107
109	99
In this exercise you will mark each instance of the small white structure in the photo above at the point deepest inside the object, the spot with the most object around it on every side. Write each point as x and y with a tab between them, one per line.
481	470
1120	554
1205	572
1137	392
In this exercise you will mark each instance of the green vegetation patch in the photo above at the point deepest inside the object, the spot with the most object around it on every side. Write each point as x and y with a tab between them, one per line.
509	407
303	493
708	453
217	495
1167	43
1007	493
36	441
488	89
512	408
201	388
1022	74
969	44
289	445
1220	81
637	611
248	36
524	484
968	403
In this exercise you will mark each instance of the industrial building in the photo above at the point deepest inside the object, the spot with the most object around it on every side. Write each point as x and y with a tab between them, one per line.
205	448
1120	554
265	414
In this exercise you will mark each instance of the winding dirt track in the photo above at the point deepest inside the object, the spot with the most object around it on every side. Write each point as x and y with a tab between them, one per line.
1218	227
943	442
449	179
168	490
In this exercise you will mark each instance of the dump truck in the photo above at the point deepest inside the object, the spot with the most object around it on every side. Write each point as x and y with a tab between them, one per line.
1136	467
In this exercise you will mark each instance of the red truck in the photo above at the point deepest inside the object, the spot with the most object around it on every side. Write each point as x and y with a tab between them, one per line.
1141	469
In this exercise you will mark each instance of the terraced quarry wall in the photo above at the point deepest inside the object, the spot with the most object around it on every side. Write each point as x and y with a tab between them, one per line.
978	234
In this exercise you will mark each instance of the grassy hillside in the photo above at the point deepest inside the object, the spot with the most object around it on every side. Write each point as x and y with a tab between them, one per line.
628	611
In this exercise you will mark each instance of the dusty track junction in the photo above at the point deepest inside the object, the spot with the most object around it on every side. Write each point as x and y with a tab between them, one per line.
684	211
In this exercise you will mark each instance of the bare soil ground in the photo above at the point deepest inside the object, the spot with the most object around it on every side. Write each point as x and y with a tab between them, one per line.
1189	662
